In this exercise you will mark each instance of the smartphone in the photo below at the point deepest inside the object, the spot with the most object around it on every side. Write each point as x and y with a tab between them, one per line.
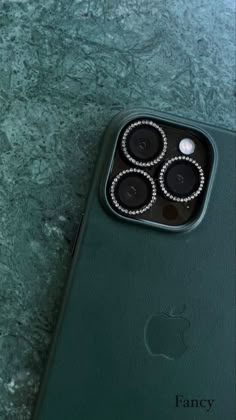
147	328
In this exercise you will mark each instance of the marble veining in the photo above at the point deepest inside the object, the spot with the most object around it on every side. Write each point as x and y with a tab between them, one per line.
66	67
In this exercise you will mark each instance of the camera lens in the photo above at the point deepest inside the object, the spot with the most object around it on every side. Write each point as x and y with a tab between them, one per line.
181	179
133	191
144	143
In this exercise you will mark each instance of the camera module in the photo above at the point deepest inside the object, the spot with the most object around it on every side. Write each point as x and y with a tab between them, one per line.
133	191
181	179
144	143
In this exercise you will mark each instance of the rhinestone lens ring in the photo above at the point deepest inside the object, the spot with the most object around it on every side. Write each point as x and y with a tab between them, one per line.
171	163
115	184
149	124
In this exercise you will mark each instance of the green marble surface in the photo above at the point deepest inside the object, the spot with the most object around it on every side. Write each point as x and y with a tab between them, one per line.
67	66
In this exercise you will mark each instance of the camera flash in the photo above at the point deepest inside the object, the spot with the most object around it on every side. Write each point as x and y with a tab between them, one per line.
187	146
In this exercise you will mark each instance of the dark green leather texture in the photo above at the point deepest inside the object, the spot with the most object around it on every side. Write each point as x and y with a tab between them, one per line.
123	273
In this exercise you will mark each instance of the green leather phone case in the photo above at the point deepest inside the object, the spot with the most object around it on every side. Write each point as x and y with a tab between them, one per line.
147	329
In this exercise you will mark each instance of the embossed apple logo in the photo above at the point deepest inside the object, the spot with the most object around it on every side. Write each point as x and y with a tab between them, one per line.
164	335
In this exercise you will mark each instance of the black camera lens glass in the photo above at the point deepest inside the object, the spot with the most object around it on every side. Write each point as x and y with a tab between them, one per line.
144	143
181	179
133	191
